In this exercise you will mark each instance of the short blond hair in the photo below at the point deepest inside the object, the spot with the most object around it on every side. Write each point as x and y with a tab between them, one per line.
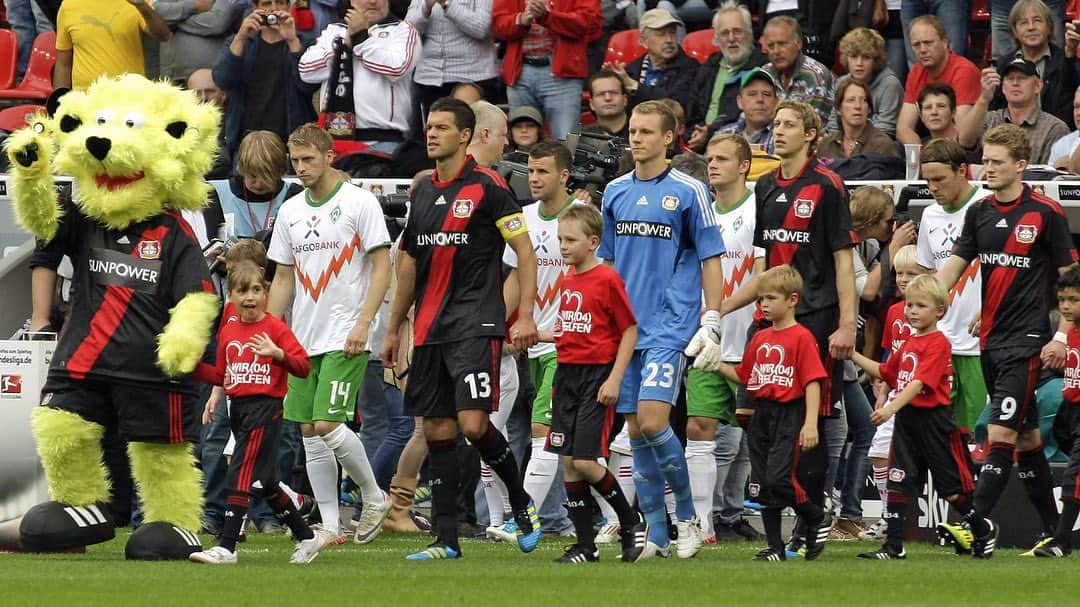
262	156
808	116
1011	137
488	116
592	224
905	258
311	135
930	286
246	250
782	279
667	117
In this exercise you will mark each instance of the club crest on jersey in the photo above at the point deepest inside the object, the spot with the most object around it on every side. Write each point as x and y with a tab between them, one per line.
335	214
804	208
557	439
670	203
149	249
896	475
738	224
463	208
1026	233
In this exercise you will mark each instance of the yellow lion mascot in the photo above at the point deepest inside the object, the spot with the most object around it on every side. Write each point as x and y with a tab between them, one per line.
142	310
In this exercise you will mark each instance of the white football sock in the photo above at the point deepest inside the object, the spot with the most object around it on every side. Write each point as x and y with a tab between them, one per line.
669	502
881	481
322	473
494	495
622	467
294	497
349	450
701	465
540	472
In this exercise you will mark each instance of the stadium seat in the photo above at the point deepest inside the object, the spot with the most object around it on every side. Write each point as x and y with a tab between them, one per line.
9	58
980	11
624	47
37	82
14	118
700	45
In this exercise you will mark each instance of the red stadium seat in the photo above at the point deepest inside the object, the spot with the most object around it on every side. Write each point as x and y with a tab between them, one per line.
624	47
37	82
14	118
700	45
1072	10
980	11
9	58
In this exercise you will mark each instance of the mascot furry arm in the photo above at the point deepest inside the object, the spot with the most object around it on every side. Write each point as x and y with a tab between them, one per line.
137	150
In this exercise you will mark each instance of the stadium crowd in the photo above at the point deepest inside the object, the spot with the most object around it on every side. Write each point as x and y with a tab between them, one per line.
705	96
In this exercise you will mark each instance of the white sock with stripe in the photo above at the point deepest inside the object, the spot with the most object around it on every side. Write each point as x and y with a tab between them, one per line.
540	472
622	467
701	465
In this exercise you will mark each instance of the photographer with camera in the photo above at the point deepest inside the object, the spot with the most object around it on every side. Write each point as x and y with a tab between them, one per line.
259	70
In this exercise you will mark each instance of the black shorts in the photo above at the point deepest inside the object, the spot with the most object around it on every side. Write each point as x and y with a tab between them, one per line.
1070	482
780	471
450	377
929	440
256	424
821	324
1011	375
580	426
144	414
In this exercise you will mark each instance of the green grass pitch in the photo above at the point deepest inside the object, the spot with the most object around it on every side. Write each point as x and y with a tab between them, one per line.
498	574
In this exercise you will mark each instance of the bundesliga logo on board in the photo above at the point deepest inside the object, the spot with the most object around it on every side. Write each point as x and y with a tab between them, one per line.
1026	233
10	384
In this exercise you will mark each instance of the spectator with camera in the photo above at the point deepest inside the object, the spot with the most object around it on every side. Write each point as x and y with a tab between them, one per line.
258	68
365	66
717	83
1020	83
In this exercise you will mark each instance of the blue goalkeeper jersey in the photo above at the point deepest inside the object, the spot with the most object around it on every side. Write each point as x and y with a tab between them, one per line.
657	233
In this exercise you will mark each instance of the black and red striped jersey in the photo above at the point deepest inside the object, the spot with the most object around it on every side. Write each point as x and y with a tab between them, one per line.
802	221
457	230
125	283
1020	245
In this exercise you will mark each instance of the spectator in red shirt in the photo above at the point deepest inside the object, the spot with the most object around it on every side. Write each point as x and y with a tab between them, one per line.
545	63
935	63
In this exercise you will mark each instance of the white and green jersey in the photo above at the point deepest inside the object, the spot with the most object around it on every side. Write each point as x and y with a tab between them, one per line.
326	242
550	268
736	227
939	228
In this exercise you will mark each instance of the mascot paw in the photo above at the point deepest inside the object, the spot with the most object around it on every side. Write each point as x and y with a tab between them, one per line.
59	527
160	541
175	361
28	149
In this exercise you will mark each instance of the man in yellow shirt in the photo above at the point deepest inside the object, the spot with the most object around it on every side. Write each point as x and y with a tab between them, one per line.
103	37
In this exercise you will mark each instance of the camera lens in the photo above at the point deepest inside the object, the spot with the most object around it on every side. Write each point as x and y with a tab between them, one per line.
271	20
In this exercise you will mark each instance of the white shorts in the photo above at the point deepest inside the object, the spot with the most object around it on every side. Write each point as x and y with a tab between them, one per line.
882	442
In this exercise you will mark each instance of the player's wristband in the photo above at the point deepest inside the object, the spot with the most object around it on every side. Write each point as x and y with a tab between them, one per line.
711	318
1061	337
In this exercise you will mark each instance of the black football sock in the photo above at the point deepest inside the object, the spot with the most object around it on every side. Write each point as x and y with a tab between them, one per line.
442	461
1070	508
962	504
894	519
287	513
609	489
495	452
236	507
579	504
993	476
770	519
811	514
1034	470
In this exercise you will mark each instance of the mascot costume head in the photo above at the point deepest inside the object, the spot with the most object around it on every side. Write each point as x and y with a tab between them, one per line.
143	308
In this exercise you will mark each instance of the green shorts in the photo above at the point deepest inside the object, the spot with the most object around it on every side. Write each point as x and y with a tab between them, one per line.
969	391
542	371
329	392
710	395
